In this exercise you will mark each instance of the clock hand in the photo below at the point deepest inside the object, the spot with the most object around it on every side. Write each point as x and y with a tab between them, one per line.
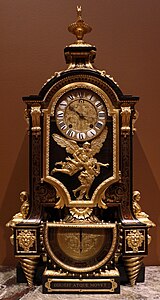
80	114
77	112
73	109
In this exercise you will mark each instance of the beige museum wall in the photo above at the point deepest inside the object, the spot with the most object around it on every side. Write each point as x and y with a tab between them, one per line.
33	34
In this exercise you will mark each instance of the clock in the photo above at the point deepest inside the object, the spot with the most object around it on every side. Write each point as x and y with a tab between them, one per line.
81	227
80	114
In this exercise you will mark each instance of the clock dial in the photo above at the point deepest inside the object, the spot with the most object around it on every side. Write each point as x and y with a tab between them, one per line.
80	114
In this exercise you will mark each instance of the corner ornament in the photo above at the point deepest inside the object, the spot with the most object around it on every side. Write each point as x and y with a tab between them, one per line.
140	215
26	239
24	211
134	240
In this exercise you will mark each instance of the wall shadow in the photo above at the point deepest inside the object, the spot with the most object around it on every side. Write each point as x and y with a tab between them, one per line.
145	182
11	203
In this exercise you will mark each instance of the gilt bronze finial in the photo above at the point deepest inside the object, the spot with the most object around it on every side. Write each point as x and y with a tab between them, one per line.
79	28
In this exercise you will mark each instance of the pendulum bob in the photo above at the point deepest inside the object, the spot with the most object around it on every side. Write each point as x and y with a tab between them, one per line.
133	266
29	265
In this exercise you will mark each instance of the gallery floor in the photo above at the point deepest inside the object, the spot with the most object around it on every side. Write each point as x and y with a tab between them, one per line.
9	290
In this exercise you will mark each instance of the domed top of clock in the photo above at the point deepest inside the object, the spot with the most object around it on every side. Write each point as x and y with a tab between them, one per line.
79	54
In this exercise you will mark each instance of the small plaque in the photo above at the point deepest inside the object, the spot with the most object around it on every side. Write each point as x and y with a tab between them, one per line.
100	285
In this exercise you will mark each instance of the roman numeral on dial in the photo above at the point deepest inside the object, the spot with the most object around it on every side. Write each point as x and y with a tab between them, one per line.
63	104
62	125
98	104
71	97
91	133
99	125
60	114
101	114
70	133
81	135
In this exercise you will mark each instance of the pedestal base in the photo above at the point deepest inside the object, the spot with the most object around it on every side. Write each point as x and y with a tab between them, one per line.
40	269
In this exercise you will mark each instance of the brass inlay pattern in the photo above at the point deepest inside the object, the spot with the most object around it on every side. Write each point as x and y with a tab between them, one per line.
98	194
63	195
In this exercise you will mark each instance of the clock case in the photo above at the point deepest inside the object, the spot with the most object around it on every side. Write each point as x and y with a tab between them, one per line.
66	243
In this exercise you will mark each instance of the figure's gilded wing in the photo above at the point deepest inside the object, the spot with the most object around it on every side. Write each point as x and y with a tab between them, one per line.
97	143
71	146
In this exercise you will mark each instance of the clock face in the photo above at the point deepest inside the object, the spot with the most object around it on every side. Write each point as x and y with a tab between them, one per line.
80	114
